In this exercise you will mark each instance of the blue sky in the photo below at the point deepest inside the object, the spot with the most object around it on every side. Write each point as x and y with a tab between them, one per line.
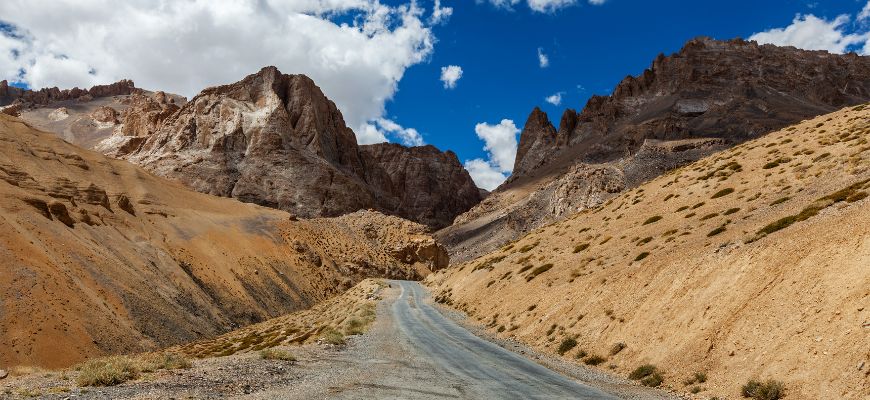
381	61
590	49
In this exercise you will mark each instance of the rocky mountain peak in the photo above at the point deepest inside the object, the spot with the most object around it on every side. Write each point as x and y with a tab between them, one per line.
422	183
276	140
734	90
708	96
537	132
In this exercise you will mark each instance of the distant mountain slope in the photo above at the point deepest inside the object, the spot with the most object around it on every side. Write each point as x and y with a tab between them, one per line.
708	96
100	256
750	263
271	139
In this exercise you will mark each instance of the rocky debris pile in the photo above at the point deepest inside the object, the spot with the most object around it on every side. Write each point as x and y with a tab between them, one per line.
408	242
106	115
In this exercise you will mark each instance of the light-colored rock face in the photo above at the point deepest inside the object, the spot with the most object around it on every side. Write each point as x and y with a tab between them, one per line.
142	115
105	115
276	140
270	139
59	114
727	92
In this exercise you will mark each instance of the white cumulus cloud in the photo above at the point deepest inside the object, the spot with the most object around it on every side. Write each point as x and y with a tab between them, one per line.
814	33
356	50
500	144
543	60
380	127
541	6
440	14
545	6
484	174
554	99
865	12
450	75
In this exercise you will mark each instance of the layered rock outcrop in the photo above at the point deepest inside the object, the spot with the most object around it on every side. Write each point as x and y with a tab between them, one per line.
276	140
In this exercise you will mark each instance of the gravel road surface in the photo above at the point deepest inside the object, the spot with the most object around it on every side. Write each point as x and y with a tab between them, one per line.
412	351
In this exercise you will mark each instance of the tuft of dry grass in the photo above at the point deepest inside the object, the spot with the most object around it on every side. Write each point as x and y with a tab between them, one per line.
158	361
722	193
594	360
567	344
769	390
653	219
538	271
108	371
333	337
277	354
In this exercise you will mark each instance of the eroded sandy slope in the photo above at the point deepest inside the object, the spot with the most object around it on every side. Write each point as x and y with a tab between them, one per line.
99	256
751	263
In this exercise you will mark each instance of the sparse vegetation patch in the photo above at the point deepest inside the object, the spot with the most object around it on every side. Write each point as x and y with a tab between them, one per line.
528	247
652	219
567	344
814	208
538	271
594	360
276	354
716	231
722	193
769	390
108	371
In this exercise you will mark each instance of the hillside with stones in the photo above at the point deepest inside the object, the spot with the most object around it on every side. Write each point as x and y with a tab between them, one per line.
708	96
103	257
747	264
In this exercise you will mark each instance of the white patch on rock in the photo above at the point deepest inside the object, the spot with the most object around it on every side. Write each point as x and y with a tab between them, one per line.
691	106
59	114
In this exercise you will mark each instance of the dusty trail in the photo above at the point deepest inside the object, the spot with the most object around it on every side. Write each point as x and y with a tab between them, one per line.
487	370
412	351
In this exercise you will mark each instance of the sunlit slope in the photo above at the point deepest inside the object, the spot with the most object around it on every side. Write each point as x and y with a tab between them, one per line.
752	263
98	256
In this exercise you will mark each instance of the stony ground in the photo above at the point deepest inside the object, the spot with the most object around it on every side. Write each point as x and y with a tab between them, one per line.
750	264
382	363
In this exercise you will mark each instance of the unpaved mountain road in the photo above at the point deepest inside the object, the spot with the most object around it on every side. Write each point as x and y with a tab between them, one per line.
412	351
486	370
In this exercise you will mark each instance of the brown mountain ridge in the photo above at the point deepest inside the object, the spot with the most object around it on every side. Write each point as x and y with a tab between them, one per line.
272	139
100	256
709	96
